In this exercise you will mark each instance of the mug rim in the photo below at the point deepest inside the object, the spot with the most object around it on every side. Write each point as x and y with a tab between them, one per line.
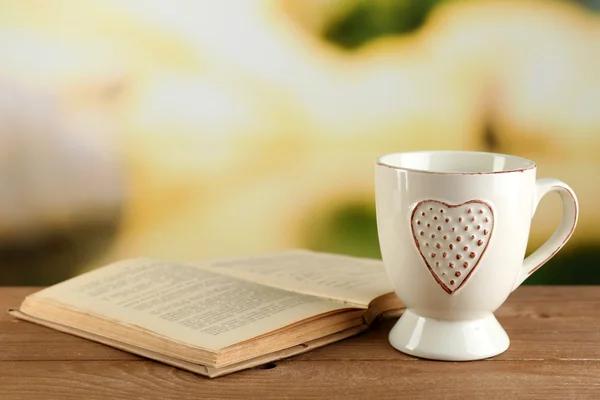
530	165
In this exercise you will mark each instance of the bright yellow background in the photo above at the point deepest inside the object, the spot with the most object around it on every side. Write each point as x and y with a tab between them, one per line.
191	129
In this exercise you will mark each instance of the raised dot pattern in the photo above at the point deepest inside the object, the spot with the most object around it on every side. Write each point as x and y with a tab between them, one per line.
451	223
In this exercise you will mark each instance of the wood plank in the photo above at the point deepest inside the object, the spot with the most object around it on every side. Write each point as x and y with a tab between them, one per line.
541	303
12	297
546	323
43	343
554	354
21	341
555	294
526	344
97	380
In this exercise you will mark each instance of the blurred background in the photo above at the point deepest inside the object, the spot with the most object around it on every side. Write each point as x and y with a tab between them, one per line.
197	128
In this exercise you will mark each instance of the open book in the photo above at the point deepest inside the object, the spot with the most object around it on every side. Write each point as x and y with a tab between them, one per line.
217	317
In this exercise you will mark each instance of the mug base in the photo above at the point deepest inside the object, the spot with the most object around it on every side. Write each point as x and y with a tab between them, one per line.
448	340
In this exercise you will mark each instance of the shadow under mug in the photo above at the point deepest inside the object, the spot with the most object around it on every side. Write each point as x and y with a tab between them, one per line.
453	228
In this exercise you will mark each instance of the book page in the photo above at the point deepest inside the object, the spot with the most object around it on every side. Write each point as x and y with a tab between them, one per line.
184	303
356	281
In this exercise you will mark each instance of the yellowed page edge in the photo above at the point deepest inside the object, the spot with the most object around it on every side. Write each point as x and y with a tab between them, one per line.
204	370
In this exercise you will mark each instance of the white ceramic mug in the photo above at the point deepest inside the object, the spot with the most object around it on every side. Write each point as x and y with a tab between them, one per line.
453	229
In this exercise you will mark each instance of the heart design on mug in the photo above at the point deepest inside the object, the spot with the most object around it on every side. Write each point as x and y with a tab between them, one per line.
452	238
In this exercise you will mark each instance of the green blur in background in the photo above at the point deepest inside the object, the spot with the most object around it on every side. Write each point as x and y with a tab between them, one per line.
215	129
352	229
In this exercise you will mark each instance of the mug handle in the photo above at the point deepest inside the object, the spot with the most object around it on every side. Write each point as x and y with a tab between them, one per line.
561	235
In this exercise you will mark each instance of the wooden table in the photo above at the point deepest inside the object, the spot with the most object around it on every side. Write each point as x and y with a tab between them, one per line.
555	354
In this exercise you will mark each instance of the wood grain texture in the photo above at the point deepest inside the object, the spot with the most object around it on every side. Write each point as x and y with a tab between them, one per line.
97	380
554	354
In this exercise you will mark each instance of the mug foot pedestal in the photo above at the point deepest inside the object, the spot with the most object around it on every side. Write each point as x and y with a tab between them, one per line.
448	340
